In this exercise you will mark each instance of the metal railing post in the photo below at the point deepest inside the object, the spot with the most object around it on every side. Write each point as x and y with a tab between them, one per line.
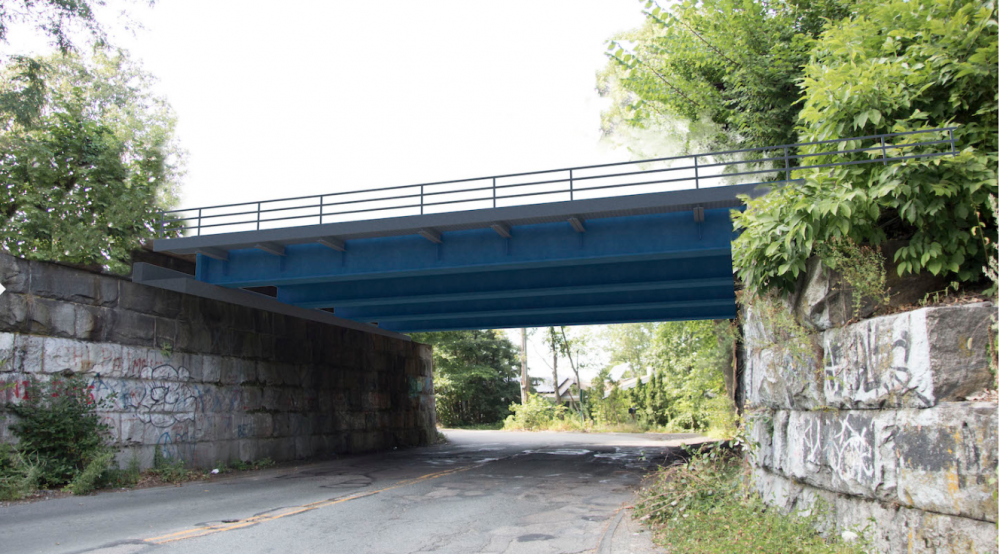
788	173
885	157
159	233
696	172
951	137
258	216
421	200
321	200
571	185
494	192
199	222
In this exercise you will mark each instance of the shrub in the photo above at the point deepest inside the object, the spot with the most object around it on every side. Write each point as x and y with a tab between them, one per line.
19	474
240	465
58	425
893	66
128	477
704	506
720	412
93	474
535	414
172	471
862	269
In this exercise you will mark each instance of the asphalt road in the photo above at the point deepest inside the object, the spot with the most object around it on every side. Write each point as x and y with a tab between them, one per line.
484	491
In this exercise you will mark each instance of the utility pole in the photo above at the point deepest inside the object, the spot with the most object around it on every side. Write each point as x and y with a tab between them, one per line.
525	382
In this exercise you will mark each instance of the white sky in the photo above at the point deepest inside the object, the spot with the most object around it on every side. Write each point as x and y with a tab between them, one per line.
593	359
315	97
294	98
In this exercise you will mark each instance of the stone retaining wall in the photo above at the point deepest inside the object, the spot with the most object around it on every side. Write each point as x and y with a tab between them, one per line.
209	381
879	420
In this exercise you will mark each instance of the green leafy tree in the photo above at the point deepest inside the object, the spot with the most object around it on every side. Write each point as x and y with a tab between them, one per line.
64	22
687	359
690	360
607	401
630	344
892	67
475	375
734	63
84	179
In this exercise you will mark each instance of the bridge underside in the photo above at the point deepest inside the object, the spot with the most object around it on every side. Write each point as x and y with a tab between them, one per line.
578	270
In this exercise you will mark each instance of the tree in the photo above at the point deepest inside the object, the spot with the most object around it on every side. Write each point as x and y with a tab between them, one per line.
59	20
892	66
733	63
629	343
761	73
553	340
475	375
85	178
525	380
568	349
689	360
66	23
607	400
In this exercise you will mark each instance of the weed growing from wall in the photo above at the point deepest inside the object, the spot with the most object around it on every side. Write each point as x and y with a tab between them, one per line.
124	478
990	269
171	471
790	338
706	505
862	271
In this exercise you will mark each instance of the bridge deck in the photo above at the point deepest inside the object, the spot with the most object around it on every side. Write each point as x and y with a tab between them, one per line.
648	257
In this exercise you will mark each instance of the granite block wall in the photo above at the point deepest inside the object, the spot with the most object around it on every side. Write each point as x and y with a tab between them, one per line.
208	381
888	422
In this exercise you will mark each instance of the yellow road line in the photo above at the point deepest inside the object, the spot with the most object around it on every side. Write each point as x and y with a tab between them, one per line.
212	529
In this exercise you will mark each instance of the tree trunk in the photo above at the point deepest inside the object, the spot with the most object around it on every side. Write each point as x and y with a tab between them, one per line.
555	363
576	371
525	382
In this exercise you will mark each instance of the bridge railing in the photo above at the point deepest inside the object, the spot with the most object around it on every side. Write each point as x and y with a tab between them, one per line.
770	164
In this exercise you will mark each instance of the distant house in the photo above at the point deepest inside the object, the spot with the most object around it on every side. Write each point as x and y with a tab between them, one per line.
626	384
566	389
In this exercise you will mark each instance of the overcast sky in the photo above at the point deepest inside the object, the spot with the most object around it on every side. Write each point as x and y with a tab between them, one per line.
294	98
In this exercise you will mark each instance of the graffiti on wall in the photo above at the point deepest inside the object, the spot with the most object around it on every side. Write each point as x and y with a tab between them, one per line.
871	364
162	402
812	442
852	449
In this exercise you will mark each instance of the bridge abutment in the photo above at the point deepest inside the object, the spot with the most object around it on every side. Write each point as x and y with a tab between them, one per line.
882	426
207	381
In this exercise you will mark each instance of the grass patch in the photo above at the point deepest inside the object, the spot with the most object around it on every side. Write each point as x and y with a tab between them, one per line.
240	465
479	426
705	506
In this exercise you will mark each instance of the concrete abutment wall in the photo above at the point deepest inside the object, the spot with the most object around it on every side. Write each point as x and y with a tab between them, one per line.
884	423
205	380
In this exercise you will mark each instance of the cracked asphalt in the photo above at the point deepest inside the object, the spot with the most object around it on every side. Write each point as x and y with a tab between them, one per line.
483	491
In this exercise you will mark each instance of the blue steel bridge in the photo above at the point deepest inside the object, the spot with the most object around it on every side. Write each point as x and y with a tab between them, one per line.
636	241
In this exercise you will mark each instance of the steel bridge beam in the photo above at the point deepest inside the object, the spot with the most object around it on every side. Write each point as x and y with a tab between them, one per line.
547	245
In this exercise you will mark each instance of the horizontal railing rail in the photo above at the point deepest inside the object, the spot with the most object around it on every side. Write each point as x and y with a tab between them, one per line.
573	183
